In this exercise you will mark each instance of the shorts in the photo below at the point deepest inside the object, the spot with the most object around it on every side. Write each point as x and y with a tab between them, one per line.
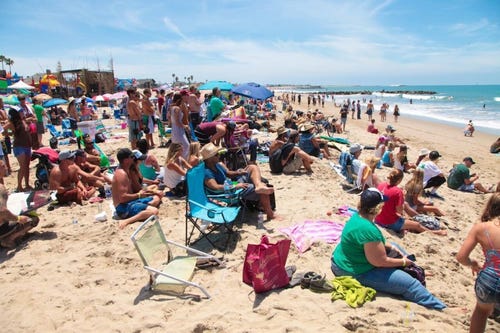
249	192
343	120
40	129
466	187
69	196
18	151
396	226
134	131
8	228
132	208
292	165
487	286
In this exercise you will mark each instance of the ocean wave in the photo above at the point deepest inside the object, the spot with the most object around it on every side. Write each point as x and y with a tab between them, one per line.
384	94
497	99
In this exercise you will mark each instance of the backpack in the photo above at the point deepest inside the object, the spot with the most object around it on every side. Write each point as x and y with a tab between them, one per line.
277	156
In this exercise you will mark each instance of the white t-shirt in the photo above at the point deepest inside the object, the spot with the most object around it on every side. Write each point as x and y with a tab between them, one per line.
430	170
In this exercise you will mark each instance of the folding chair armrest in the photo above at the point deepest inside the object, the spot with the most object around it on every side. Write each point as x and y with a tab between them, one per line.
215	211
200	254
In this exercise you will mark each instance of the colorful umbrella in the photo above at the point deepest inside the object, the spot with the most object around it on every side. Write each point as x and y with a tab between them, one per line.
42	97
119	95
11	100
98	98
54	102
253	90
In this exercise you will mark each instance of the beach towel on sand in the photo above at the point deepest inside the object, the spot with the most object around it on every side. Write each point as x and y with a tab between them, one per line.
350	290
305	234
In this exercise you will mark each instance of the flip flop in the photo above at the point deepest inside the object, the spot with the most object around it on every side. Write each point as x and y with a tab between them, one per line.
295	280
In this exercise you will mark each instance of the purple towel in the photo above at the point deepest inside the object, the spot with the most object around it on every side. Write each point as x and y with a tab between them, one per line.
305	234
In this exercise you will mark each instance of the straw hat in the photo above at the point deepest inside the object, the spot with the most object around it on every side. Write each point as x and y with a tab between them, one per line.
209	150
423	152
306	127
282	130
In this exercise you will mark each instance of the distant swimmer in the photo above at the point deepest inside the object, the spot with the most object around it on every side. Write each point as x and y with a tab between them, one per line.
411	101
484	106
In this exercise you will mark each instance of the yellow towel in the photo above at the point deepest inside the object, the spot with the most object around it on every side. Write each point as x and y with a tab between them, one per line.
350	290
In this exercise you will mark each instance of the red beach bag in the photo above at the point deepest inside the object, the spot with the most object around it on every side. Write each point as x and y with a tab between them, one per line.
264	266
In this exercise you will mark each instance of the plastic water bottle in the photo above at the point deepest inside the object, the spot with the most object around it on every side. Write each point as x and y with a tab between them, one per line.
320	156
227	187
260	221
75	220
107	191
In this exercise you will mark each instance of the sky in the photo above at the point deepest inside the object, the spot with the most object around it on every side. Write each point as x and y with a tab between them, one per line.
325	42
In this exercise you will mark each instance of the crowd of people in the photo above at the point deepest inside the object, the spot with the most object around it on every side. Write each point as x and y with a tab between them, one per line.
205	129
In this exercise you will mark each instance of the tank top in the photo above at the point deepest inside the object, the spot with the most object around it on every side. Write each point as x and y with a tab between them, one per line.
492	256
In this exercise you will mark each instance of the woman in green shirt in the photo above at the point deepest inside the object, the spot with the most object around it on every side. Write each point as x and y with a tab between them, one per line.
361	254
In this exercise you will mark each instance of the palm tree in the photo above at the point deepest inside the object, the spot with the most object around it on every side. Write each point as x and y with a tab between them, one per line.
190	79
173	78
2	60
9	62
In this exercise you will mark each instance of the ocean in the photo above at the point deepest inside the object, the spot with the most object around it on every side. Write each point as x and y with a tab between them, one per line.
452	104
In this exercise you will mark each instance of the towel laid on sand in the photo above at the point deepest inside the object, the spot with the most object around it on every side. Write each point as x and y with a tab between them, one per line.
350	290
305	234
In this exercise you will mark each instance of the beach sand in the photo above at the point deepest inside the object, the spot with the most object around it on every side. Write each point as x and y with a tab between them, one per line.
87	276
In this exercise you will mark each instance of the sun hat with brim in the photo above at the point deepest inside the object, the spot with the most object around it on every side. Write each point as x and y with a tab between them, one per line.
209	150
306	127
423	152
66	155
282	130
371	197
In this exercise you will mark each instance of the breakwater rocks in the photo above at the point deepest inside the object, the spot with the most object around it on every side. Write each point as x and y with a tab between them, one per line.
320	90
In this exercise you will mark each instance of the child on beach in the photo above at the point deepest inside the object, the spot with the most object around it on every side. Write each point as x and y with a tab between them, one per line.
487	234
414	189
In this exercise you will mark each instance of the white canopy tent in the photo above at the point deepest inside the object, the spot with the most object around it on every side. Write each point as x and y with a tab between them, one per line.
21	85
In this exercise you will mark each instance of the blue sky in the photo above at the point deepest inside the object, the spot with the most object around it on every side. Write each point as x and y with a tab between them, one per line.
303	42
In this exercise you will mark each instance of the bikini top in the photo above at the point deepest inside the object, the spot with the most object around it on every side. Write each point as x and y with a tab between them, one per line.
492	256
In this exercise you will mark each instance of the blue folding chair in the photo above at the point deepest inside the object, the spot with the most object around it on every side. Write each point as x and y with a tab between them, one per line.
200	210
54	132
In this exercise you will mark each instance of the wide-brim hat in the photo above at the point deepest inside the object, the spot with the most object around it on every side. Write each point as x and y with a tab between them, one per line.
424	152
209	150
282	130
306	127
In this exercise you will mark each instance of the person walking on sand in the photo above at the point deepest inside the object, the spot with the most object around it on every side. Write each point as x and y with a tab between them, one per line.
131	206
369	110
487	286
134	117
396	113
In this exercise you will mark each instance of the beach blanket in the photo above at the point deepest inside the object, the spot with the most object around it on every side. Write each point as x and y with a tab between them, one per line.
305	234
334	139
346	211
350	290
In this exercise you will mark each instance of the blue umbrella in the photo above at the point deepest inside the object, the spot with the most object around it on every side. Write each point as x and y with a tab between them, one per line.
222	85
53	102
253	90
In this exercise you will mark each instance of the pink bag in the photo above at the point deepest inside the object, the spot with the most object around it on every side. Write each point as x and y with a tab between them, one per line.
264	267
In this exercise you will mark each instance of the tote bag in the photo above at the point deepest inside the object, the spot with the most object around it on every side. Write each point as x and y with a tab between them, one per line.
264	266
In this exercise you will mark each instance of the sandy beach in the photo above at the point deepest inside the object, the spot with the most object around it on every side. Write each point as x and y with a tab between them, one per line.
87	276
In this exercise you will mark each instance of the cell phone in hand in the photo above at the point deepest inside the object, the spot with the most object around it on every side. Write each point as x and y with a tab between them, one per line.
411	257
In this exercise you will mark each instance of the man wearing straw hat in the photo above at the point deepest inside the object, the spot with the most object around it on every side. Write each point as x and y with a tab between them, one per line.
249	179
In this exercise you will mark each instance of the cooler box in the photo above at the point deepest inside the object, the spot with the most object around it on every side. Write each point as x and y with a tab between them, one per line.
88	127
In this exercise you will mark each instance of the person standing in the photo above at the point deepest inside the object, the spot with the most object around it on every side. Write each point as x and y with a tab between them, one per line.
40	113
344	111
487	286
161	100
396	113
369	110
22	146
194	104
148	117
134	117
358	109
179	123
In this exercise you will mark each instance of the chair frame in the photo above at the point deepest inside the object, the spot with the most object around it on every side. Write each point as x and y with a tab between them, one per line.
218	216
154	272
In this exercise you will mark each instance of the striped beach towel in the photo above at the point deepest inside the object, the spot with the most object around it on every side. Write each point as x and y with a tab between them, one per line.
305	234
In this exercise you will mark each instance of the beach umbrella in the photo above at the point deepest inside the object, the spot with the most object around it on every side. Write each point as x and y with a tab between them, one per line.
222	85
119	95
252	90
98	98
20	85
54	102
107	97
42	97
11	100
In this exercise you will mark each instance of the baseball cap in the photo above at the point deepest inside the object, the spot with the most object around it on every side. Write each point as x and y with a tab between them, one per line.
469	159
80	153
123	154
138	155
184	92
355	148
371	197
66	154
434	155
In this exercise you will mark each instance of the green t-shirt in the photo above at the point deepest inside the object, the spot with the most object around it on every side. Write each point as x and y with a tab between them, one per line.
38	112
349	254
216	107
458	176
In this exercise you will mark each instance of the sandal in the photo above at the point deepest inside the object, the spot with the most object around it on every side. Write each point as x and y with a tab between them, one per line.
316	283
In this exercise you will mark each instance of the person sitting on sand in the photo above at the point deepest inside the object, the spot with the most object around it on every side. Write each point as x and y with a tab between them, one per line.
461	179
469	129
176	168
495	147
312	144
291	157
12	227
149	167
487	234
89	173
389	156
194	154
131	204
93	155
391	136
401	160
366	174
433	177
371	127
392	215
362	254
65	179
349	162
414	189
249	179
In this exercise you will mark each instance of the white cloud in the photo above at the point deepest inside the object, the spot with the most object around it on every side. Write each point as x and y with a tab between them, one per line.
173	27
470	28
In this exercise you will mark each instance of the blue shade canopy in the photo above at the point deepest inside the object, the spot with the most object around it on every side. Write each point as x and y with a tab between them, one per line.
253	90
54	102
222	85
11	100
